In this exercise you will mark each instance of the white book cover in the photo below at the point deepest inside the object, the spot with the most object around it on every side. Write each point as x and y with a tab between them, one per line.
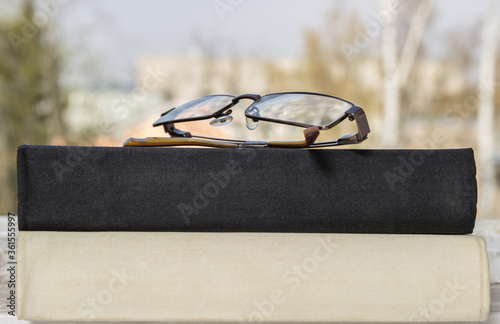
250	277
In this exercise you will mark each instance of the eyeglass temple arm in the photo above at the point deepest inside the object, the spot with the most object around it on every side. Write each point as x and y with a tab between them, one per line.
310	135
175	141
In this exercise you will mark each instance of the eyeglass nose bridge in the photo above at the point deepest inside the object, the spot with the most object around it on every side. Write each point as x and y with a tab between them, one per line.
227	111
250	96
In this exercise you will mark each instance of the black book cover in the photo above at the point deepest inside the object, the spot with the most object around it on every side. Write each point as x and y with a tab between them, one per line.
246	190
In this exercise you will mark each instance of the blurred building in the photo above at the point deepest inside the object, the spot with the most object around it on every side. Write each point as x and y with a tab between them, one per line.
192	76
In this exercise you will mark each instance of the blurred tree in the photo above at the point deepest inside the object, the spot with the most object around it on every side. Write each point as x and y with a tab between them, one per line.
317	74
32	101
392	81
397	68
486	116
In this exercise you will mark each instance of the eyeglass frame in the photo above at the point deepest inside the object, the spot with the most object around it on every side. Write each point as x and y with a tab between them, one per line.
354	113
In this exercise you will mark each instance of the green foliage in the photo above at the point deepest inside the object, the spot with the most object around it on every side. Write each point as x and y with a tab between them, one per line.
32	101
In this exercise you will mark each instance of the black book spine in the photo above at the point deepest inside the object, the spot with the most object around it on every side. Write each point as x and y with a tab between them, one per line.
246	190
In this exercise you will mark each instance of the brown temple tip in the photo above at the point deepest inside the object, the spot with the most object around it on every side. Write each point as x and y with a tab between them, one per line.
311	134
131	142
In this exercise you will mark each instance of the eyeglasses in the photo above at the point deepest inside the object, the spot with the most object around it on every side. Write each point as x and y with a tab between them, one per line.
313	111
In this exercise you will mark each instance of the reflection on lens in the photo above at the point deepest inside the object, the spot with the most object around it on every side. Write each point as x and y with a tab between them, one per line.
311	109
202	107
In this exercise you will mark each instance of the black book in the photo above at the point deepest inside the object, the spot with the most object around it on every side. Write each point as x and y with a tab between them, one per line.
246	190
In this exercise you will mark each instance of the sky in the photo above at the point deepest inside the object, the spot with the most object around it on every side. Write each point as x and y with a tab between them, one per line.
116	32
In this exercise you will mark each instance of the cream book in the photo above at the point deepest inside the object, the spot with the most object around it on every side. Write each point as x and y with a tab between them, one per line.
251	277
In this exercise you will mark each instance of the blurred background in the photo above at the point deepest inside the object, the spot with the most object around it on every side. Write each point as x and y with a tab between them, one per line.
97	72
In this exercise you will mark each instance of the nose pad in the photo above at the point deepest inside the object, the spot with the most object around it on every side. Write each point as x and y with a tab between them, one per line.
224	120
251	123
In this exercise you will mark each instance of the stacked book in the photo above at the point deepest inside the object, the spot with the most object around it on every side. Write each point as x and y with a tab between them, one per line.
246	235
